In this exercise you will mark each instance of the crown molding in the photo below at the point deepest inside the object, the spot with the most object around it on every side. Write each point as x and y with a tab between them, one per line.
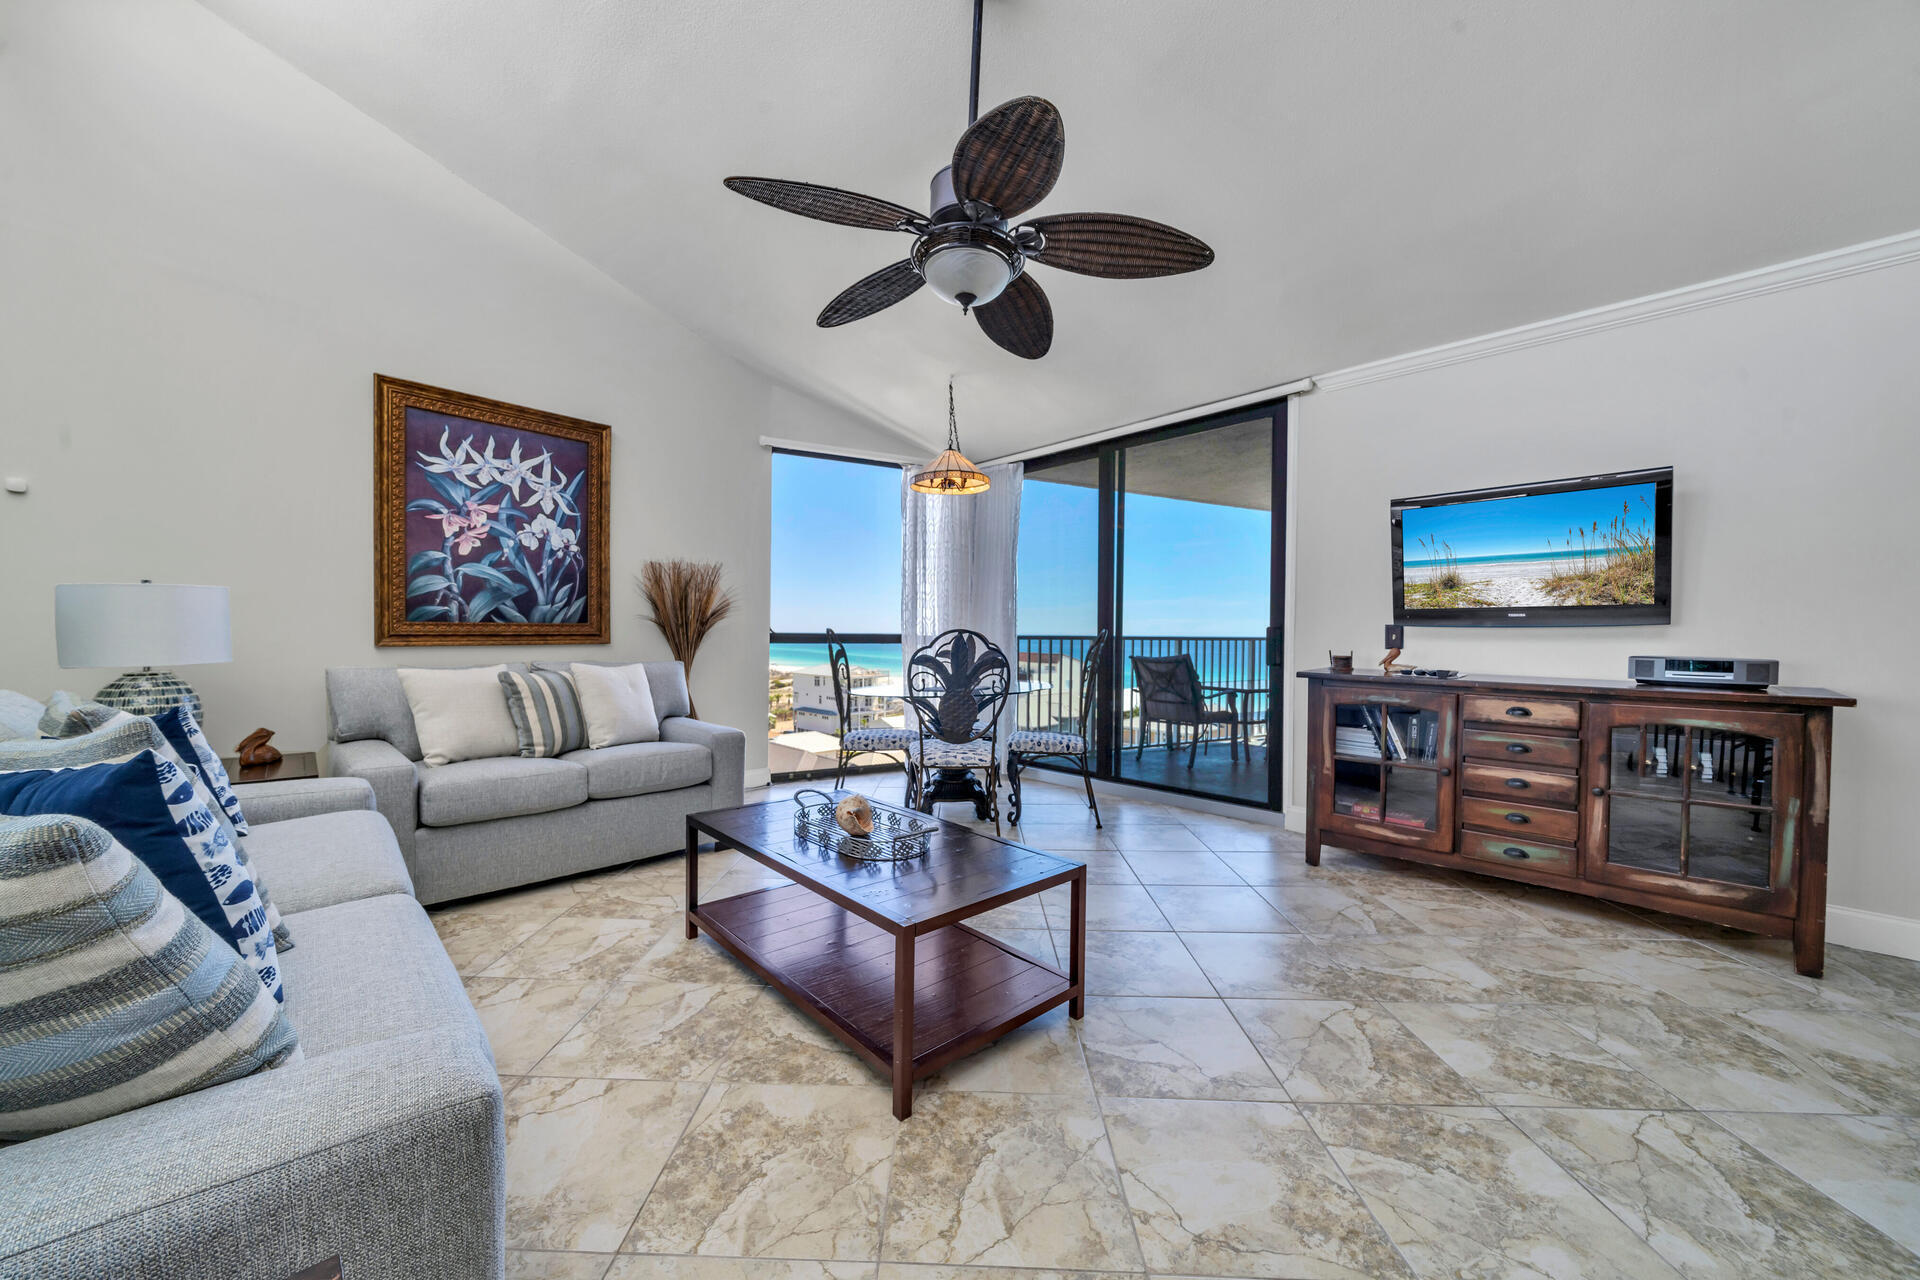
1874	255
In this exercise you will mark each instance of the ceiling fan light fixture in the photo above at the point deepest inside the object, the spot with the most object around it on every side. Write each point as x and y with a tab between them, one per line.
951	472
967	265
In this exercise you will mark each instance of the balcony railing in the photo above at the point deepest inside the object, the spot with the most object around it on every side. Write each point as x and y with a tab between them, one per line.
1055	660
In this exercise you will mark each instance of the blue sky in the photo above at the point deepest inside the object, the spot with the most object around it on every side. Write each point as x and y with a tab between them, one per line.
1523	525
1191	568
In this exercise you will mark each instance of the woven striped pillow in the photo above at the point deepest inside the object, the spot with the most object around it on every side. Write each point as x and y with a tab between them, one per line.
545	710
112	994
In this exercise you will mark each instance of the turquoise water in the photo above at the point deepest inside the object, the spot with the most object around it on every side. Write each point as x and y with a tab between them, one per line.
880	657
1595	553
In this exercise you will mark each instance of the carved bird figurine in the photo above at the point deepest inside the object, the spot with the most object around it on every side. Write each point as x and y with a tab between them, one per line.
254	749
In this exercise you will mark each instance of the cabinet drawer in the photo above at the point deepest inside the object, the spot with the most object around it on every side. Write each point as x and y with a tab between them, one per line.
1530	749
1535	713
1523	821
1531	786
1532	854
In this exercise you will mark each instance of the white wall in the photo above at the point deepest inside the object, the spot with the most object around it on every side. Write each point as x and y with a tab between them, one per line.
204	259
1789	417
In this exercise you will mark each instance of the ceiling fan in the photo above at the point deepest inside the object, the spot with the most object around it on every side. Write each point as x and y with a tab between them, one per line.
965	251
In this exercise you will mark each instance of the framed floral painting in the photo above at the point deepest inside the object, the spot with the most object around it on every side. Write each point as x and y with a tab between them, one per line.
490	521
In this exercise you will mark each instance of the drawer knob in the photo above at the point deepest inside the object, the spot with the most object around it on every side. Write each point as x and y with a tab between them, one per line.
1519	711
1518	819
1515	851
1445	772
1518	784
1599	791
1518	748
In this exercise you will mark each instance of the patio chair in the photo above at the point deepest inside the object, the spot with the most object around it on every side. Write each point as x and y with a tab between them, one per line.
1170	694
877	740
957	685
1072	742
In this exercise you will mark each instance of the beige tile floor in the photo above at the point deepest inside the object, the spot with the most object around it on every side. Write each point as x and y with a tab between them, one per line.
1359	1070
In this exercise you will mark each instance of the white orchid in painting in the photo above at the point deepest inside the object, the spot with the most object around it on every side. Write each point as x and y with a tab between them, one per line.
463	464
508	533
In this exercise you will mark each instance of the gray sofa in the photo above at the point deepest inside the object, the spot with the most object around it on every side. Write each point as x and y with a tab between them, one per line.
479	826
386	1145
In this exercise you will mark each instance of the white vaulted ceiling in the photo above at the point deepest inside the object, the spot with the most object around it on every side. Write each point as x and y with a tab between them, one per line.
1375	177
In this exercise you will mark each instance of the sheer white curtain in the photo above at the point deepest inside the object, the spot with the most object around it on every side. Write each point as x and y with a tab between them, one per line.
957	558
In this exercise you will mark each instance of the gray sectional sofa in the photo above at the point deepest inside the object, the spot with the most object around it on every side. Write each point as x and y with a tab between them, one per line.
386	1145
479	826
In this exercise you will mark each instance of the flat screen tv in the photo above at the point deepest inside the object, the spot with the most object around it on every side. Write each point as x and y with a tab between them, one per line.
1591	551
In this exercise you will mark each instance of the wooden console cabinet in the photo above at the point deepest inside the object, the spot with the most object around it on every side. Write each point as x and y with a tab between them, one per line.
1706	803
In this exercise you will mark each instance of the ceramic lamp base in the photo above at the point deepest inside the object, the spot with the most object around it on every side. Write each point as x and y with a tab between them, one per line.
149	692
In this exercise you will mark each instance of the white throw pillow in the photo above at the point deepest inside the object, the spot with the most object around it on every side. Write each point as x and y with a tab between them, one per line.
616	703
460	713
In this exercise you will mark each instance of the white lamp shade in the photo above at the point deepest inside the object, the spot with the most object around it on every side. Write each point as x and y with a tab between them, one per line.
140	624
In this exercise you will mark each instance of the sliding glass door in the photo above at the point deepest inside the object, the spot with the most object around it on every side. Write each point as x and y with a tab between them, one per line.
1172	542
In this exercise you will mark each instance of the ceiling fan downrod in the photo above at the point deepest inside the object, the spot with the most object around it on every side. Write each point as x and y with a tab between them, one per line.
973	85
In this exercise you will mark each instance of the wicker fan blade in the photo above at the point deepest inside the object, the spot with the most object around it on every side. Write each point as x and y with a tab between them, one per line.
875	293
1020	319
1117	246
1010	158
829	204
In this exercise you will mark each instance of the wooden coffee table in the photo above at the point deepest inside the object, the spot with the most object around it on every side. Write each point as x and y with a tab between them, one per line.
877	952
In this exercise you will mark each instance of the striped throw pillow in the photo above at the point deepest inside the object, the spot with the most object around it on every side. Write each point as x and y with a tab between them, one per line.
112	994
546	712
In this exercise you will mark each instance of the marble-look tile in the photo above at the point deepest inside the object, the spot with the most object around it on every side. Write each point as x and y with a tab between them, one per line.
1520	1055
1164	837
777	1044
1058	837
792	1171
633	895
1107	866
1021	913
1711	1061
1538	969
674	957
922	1271
1249	838
1179	868
523	1264
1567	915
1875	1059
478	933
1280	965
1241	1189
1002	1179
1707	1202
1217	909
524	1018
1444	909
1417	967
1338	1051
582	1153
654	1030
1270	866
580	948
1037	943
1041	1057
1870	1164
1137	964
1121	907
1463	1192
1330	908
1877	981
1700	976
633	1266
1146	1047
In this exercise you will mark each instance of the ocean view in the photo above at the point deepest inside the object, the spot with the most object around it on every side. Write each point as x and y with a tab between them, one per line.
791	657
1237	660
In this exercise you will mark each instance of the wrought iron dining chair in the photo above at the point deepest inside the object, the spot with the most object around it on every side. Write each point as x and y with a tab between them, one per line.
957	685
868	740
1170	694
1072	742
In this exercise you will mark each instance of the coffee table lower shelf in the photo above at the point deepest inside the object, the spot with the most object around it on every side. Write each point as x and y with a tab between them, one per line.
968	989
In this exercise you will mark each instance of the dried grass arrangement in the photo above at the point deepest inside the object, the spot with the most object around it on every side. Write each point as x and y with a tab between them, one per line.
688	601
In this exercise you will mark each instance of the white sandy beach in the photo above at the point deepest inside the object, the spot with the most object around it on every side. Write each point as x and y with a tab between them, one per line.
1511	584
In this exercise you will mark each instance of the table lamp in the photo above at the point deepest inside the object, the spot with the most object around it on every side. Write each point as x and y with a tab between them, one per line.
144	624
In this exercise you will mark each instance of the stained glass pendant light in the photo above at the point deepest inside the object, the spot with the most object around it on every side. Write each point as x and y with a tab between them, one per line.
951	472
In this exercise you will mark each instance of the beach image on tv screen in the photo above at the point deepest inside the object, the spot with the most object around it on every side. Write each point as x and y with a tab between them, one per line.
1587	547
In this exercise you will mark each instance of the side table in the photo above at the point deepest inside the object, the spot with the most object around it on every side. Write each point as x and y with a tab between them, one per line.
291	765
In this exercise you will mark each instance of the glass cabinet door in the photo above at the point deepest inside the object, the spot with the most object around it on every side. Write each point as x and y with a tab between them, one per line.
1690	799
1391	757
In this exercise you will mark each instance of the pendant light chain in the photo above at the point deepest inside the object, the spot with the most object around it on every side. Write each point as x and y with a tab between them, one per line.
953	422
